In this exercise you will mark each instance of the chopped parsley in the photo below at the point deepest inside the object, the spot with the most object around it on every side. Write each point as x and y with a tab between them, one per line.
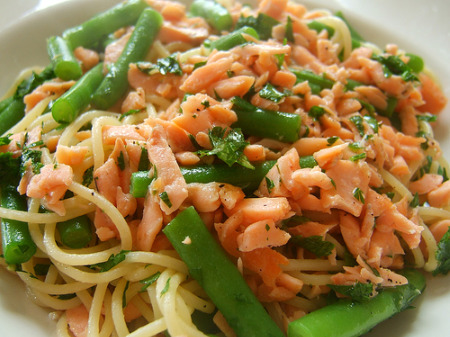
331	140
166	65
271	93
263	24
359	195
5	140
358	292
129	113
88	176
289	32
112	261
357	120
121	161
415	201
393	65
228	146
307	162
270	184
316	112
165	198
166	287
147	282
443	255
315	244
357	157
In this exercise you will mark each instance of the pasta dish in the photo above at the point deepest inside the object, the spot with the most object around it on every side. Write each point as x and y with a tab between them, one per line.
221	169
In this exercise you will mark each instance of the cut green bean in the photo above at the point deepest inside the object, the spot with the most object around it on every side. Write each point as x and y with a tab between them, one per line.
115	83
247	179
218	276
357	39
351	319
65	65
67	107
75	233
415	62
4	104
233	39
213	12
254	121
89	33
140	181
17	244
319	26
11	115
316	82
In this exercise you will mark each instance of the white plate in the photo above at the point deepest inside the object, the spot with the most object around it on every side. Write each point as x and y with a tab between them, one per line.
420	27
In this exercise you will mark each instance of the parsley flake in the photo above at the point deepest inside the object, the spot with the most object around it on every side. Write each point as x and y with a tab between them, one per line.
228	146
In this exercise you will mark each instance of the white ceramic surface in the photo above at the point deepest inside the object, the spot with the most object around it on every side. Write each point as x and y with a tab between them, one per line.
417	26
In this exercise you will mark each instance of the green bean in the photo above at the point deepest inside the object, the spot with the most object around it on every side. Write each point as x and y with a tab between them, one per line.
92	31
12	114
415	62
76	232
218	276
140	181
4	104
115	83
236	175
351	319
316	82
233	39
319	26
255	121
65	65
357	39
67	107
245	178
17	244
213	12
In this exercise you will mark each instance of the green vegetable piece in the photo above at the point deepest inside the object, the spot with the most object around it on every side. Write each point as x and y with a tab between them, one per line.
213	12
75	233
271	93
357	39
263	24
115	83
346	318
316	82
415	62
74	101
218	276
112	261
443	255
319	26
139	183
392	64
247	179
89	33
255	121
358	292
228	145
11	115
289	30
18	246
65	65
315	244
308	162
233	39
357	120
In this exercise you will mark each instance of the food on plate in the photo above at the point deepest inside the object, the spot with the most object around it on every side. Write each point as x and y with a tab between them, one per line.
224	170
